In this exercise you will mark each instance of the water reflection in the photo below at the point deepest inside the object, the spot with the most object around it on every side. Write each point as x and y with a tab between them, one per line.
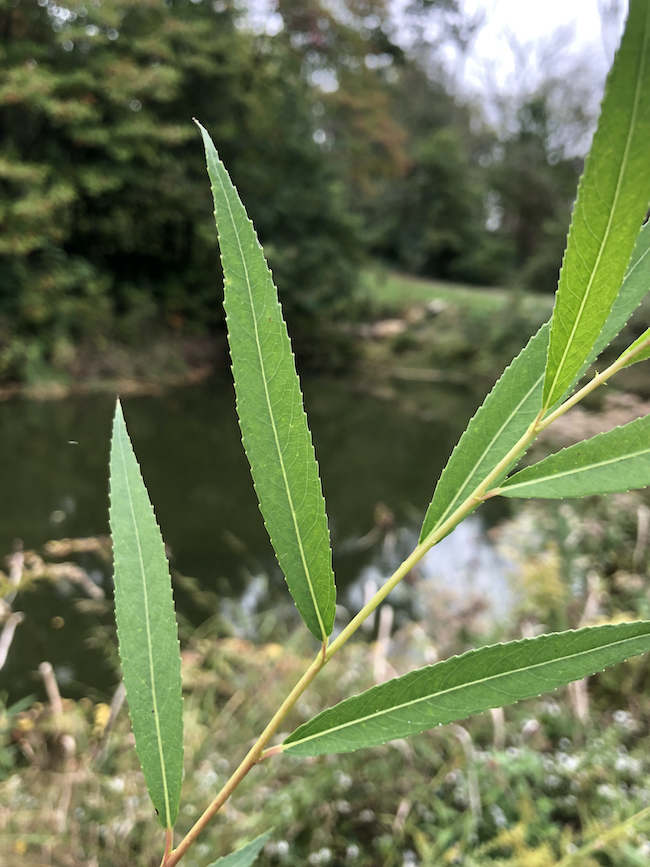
54	483
465	574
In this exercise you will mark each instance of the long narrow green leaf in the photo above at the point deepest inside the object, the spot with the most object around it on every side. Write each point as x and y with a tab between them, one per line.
617	460
464	685
501	421
244	856
271	415
612	200
146	629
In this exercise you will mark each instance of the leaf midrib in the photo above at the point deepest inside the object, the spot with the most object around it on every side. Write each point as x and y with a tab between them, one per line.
577	470
610	219
378	714
154	697
270	411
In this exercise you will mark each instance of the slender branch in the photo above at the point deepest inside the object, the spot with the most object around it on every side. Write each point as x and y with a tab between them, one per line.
621	362
480	493
253	756
379	597
256	753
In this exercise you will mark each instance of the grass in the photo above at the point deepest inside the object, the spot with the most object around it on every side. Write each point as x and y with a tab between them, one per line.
392	290
441	332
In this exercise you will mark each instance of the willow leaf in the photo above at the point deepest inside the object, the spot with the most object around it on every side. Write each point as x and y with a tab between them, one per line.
244	856
645	353
617	460
499	424
612	200
464	685
633	290
146	629
516	398
271	415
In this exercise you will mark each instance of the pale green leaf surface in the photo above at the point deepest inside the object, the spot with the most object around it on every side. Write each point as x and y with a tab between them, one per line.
612	200
635	287
500	422
146	629
617	460
464	685
271	415
516	398
244	856
645	353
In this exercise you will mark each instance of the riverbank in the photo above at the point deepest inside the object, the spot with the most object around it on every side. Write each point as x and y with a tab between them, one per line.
396	323
401	329
167	361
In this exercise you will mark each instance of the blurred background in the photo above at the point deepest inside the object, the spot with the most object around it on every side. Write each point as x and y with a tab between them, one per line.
410	168
440	138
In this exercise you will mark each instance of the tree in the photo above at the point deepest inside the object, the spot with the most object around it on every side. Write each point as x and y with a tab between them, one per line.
535	185
104	213
431	219
544	122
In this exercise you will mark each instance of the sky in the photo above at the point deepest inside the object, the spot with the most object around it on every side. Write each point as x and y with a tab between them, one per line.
575	26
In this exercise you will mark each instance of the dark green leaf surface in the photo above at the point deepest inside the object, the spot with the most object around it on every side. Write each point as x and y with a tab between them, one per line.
146	628
245	856
612	200
271	415
501	421
614	461
468	684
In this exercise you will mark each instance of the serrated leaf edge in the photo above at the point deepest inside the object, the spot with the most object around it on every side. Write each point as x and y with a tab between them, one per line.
461	495
270	409
551	396
513	644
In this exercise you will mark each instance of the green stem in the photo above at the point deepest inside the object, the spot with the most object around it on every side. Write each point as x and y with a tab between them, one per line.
253	756
379	597
599	379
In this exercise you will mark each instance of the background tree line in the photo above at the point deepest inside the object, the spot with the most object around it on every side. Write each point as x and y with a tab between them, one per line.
342	145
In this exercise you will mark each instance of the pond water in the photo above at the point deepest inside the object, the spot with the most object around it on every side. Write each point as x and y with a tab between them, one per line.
55	458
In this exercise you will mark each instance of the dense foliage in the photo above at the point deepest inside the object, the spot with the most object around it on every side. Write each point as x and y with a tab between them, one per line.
104	208
341	144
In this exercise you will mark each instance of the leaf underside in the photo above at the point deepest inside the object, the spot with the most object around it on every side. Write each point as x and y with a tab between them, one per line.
501	421
464	685
146	628
645	353
612	200
618	460
270	408
633	290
